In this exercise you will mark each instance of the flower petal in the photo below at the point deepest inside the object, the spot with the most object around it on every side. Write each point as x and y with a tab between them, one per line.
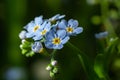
65	40
49	36
29	35
70	21
37	37
48	26
49	45
39	20
62	25
62	16
30	27
60	46
73	23
61	33
78	30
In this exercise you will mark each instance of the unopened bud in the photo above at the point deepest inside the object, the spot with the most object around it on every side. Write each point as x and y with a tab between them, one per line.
23	41
21	46
54	62
48	68
55	70
22	34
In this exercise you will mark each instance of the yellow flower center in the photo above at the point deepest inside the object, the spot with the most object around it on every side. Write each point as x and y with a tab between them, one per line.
56	41
69	29
43	32
36	28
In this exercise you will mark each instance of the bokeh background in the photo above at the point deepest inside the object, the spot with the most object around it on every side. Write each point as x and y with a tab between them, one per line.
15	14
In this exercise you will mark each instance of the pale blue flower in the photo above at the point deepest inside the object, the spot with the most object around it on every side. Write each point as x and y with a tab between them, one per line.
42	31
101	35
37	47
57	17
71	27
55	40
33	26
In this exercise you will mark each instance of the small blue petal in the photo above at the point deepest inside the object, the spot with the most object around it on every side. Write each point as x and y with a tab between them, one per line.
62	25
62	16
61	33
57	17
39	20
48	26
50	35
65	40
78	30
70	21
29	35
73	23
60	46
48	45
39	37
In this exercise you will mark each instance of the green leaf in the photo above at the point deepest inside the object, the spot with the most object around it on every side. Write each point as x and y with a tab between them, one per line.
86	63
99	67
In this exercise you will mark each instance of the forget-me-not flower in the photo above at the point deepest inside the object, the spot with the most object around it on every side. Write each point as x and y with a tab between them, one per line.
33	26
37	47
45	27
55	40
71	27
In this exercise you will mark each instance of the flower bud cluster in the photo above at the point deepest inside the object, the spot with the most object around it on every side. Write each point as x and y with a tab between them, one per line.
53	68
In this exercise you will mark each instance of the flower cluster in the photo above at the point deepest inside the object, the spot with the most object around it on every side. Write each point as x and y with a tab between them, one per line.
53	68
53	33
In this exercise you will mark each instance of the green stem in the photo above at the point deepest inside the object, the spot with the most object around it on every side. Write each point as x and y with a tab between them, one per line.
79	56
53	54
85	63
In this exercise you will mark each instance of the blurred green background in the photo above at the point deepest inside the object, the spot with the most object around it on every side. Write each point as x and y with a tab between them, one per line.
15	14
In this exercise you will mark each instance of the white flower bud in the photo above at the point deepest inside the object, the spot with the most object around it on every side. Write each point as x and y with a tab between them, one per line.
23	41
48	68
22	34
54	62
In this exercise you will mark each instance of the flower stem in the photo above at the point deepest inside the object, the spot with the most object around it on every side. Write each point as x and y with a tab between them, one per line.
85	63
53	54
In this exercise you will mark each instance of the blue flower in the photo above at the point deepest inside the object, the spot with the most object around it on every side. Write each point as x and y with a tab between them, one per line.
42	31
37	47
101	35
71	27
33	26
57	17
55	40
